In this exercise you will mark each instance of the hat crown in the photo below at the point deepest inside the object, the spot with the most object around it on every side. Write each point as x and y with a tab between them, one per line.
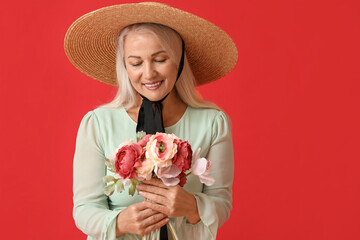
91	41
154	4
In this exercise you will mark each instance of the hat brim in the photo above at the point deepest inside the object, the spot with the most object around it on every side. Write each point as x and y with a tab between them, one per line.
90	42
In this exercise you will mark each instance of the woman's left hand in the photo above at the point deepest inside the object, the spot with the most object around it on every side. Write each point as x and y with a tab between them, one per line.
173	201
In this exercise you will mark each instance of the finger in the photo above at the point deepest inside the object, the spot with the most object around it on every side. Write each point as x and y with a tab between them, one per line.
157	207
154	219
148	212
155	182
156	226
139	206
152	189
153	197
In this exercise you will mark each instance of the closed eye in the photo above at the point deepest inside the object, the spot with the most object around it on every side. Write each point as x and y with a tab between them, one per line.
136	64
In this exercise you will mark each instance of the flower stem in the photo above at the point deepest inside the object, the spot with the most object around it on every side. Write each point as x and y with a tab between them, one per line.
185	176
172	230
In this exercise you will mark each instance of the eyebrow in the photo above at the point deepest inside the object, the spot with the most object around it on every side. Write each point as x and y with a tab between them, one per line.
161	51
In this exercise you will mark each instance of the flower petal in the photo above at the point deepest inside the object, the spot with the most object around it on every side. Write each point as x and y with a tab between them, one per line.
197	154
144	140
170	181
199	166
168	172
207	180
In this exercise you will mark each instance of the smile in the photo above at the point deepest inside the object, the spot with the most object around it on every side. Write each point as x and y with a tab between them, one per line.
153	86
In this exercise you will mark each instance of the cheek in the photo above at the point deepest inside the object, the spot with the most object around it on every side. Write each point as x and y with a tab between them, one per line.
133	75
134	80
170	71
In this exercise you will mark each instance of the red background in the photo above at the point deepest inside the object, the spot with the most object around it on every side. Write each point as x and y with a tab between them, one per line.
293	99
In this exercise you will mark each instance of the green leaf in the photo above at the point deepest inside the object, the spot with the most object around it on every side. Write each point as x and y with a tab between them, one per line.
108	179
119	186
140	135
135	182
109	189
110	166
132	190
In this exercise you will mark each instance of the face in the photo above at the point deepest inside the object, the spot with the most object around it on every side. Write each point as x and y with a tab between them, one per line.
151	71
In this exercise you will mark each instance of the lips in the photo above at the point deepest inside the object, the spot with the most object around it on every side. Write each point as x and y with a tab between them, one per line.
153	86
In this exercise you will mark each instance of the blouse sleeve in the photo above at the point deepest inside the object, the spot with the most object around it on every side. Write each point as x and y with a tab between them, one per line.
215	202
91	210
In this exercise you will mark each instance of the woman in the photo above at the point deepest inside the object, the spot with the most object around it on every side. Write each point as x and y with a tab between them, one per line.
157	49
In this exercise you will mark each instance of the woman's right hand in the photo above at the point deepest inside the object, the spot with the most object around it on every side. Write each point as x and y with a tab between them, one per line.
138	219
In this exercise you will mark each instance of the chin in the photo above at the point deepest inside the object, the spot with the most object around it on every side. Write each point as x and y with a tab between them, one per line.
154	97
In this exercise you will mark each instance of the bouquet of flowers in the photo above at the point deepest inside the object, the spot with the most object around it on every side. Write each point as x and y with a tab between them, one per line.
161	155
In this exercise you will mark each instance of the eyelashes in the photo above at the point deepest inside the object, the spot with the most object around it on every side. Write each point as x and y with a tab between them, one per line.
137	64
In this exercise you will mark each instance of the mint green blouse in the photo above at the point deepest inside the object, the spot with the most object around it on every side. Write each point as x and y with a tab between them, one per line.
102	130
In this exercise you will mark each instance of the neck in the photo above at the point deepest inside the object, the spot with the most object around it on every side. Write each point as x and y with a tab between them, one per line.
172	101
173	108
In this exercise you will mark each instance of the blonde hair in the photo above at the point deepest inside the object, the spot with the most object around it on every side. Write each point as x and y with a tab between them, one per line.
171	41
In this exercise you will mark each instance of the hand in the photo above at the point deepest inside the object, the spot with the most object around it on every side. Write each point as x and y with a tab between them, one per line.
139	219
170	200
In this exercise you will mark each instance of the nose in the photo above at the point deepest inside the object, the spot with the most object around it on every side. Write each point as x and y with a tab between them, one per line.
149	71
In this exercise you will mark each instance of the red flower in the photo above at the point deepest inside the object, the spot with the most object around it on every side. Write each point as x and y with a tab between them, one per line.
183	179
144	140
183	157
127	159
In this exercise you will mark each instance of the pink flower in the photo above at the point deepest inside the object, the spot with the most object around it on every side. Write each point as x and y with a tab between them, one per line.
145	171
127	159
201	168
161	149
144	140
169	175
183	157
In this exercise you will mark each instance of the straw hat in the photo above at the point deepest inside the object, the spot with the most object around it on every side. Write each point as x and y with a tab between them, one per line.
90	42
